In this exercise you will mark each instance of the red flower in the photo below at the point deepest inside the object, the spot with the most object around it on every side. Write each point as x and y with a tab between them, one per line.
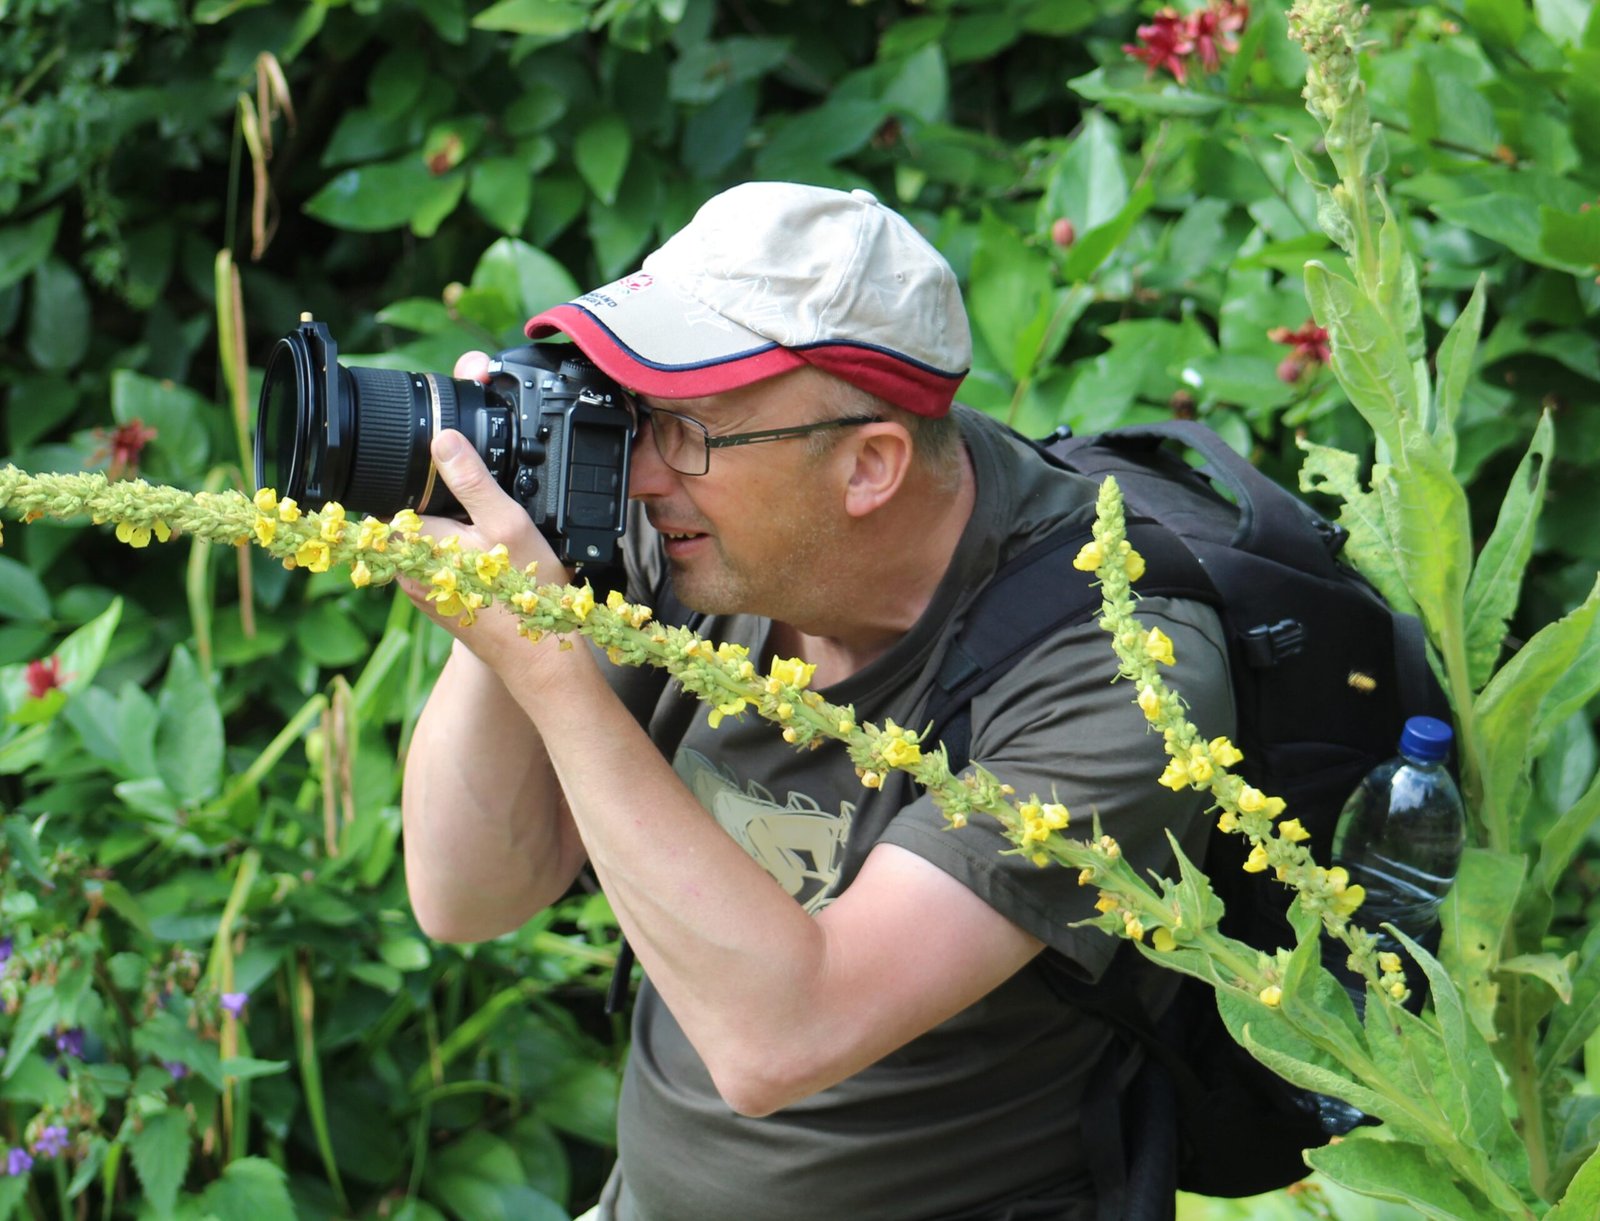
44	676
1310	344
122	446
1163	44
1209	30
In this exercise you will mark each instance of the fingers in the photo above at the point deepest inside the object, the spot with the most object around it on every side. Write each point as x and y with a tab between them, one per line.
472	366
495	516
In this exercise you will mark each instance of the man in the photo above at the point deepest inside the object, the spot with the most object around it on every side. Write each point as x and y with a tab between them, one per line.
845	1012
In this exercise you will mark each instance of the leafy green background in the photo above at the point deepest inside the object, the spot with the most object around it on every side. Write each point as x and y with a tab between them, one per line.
215	795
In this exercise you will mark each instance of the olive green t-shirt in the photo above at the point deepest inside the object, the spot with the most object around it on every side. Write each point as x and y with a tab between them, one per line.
980	1114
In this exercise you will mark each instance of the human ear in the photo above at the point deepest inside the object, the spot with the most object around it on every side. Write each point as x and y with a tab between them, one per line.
880	456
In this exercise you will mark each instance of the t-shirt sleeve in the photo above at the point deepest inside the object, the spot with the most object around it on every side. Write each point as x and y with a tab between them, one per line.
1058	726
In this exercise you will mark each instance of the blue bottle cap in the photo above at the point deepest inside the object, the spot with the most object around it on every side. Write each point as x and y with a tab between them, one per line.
1426	738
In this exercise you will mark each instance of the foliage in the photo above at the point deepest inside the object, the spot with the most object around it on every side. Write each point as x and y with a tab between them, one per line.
210	787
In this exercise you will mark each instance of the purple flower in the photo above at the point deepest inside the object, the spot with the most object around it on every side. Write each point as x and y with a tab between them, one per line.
177	1068
234	1002
7	945
70	1042
52	1142
18	1162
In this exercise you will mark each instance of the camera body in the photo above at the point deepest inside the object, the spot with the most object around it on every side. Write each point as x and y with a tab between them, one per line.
554	432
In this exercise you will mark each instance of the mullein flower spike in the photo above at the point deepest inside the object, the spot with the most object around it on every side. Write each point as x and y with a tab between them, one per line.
463	583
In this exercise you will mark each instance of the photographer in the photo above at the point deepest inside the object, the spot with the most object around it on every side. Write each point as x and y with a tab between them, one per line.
846	1011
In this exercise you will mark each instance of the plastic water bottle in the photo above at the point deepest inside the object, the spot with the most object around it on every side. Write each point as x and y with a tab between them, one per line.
1401	833
1400	837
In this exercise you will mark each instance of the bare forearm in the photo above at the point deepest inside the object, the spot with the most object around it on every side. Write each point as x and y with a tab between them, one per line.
488	841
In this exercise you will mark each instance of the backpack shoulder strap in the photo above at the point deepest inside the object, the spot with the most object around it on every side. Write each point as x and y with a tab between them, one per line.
1032	596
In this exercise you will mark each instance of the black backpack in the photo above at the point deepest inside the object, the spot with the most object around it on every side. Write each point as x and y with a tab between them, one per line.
1325	674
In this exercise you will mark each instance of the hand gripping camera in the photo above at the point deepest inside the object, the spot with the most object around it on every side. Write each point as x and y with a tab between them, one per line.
553	430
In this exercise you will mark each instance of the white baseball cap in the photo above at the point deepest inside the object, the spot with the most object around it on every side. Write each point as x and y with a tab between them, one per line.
769	276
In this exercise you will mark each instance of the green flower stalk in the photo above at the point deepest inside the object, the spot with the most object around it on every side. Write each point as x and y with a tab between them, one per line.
1179	915
463	583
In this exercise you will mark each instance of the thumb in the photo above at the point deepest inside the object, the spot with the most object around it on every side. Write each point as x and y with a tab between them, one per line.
466	476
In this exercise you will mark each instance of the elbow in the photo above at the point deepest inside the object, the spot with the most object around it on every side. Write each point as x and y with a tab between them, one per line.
755	1085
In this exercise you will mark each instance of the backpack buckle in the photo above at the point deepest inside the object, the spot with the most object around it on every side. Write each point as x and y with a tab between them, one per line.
1269	644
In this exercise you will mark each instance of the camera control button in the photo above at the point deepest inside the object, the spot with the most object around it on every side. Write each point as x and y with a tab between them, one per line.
497	457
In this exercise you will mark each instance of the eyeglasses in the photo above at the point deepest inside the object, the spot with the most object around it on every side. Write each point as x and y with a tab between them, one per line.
685	445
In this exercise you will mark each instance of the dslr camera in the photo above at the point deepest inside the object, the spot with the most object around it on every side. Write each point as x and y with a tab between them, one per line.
553	430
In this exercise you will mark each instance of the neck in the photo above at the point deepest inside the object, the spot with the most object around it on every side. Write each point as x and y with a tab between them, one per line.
891	565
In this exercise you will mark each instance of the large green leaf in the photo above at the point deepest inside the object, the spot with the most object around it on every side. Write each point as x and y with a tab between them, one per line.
1425	511
1474	918
601	151
24	246
1572	1024
181	446
1581	1201
58	322
1496	582
1010	296
705	71
250	1189
159	1146
189	735
1455	368
22	594
1126	87
1401	1172
1336	472
1509	712
1089	185
526	279
1561	842
1369	359
382	195
551	19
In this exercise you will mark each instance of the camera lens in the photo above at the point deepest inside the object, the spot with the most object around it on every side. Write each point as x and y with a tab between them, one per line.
283	424
359	436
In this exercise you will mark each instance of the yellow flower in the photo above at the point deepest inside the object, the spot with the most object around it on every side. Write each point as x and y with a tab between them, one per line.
847	726
1163	940
491	564
361	575
332	523
1109	848
615	601
1271	995
443	582
525	600
582	603
1176	777
134	536
1257	861
373	535
266	500
1224	753
1107	902
1149	702
789	672
406	523
1199	769
266	529
314	554
1090	556
1292	830
732	708
899	752
1134	560
1398	990
1133	928
1040	859
1227	821
1158	647
288	509
1349	899
1085	876
1251	800
1055	815
1389	963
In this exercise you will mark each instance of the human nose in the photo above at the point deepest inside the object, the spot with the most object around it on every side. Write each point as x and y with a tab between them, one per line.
648	473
